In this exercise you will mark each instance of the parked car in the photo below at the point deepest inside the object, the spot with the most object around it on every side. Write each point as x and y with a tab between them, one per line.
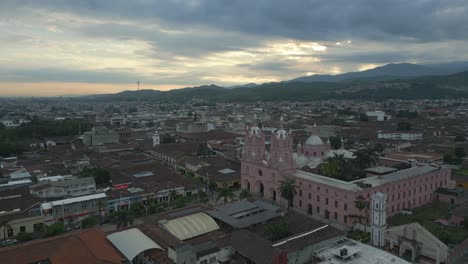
8	242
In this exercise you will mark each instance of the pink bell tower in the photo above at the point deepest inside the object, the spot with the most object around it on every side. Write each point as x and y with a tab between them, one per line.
254	144
281	149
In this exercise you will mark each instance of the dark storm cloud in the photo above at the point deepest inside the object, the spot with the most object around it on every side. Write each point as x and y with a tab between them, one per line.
191	43
419	20
68	75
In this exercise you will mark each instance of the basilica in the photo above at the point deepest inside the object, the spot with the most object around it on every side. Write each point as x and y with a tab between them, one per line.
263	170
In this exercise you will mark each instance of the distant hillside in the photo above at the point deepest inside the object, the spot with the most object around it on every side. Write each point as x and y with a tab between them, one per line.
427	87
456	80
389	71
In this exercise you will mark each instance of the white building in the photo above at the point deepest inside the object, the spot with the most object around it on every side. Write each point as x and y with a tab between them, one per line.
13	122
72	187
379	115
400	136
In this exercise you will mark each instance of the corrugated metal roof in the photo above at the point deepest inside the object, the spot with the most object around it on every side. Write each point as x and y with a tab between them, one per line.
50	205
132	242
190	226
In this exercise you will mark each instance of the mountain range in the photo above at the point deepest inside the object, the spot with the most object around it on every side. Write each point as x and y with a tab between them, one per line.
391	81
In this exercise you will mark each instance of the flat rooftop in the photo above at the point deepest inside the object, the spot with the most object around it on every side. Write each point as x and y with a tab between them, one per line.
357	253
370	181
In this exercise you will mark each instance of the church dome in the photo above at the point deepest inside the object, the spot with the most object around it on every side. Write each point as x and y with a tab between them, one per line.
314	140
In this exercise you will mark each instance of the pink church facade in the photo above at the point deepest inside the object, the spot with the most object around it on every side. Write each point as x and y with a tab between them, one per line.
326	197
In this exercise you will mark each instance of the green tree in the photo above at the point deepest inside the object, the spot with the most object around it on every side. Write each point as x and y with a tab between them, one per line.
337	167
335	142
460	152
54	229
244	194
23	237
226	193
137	209
122	218
288	190
360	203
363	117
89	222
101	176
173	196
403	126
366	157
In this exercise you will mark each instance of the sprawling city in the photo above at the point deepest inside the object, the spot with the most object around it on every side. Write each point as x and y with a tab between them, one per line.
200	132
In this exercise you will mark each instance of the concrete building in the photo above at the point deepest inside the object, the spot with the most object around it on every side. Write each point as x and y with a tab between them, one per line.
100	136
326	197
69	187
416	241
21	210
400	136
72	210
378	115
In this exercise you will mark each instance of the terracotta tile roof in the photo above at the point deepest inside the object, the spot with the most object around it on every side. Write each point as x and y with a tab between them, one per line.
89	246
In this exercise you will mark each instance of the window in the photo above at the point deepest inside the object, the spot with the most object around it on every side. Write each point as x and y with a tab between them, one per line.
37	227
326	201
310	196
346	207
212	259
204	262
318	209
300	203
300	193
10	232
336	204
345	219
318	198
260	172
22	229
335	215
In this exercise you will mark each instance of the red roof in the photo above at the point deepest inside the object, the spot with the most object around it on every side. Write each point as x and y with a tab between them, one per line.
89	246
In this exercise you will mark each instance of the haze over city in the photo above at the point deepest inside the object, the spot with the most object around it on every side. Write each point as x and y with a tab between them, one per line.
54	47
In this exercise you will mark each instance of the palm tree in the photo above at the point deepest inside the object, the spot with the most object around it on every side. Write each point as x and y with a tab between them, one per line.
5	226
173	196
244	194
226	193
360	203
288	189
366	157
100	204
123	218
335	166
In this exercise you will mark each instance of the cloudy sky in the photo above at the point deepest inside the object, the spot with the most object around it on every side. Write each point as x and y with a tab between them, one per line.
53	47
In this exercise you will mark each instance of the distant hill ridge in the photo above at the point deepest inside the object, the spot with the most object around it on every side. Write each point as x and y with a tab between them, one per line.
392	81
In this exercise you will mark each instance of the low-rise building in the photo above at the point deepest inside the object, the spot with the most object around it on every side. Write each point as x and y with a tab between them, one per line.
69	187
400	136
89	246
22	212
72	210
